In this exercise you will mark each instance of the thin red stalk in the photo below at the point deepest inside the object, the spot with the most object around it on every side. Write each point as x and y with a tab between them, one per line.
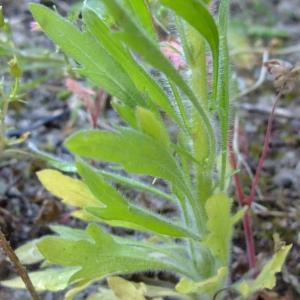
266	147
246	218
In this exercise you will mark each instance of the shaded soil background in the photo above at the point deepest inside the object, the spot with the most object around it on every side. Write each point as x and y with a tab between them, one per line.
51	113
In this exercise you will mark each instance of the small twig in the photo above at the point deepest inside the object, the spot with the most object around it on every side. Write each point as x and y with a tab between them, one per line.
263	109
19	267
282	51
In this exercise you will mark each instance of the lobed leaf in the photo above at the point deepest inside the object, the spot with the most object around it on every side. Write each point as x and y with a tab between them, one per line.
102	256
97	63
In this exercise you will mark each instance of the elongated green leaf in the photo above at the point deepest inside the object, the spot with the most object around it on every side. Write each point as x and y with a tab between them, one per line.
135	151
219	225
266	278
102	256
118	209
224	87
52	279
97	63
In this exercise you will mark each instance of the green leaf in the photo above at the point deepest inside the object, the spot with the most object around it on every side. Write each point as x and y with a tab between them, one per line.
135	151
52	279
72	191
28	253
220	226
66	166
97	63
102	256
206	286
151	125
118	209
266	278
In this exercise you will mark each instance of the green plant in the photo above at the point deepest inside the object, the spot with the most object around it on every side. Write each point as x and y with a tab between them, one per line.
115	49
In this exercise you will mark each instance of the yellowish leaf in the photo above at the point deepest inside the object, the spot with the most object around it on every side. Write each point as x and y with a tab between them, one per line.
71	191
126	290
266	278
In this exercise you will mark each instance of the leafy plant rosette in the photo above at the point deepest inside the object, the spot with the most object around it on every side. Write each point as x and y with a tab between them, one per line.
115	50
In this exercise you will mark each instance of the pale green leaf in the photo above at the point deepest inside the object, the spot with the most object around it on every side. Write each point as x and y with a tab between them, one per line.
126	290
72	191
52	279
28	253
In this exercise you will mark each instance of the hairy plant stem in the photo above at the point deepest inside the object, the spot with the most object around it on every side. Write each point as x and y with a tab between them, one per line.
18	266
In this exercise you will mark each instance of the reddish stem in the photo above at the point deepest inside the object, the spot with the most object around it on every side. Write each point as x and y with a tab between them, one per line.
246	218
266	147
